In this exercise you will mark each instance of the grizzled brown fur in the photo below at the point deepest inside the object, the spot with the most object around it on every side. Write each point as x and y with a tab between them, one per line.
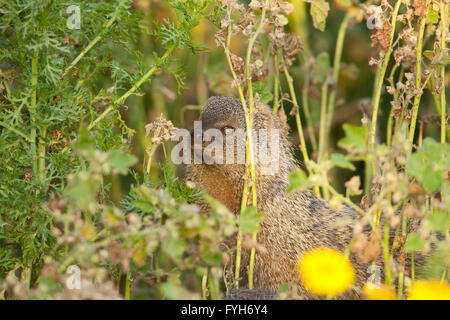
293	223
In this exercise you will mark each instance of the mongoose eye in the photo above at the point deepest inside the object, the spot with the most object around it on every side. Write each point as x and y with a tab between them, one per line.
228	130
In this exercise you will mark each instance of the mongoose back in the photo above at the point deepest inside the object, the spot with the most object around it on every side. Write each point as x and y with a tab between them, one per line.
293	223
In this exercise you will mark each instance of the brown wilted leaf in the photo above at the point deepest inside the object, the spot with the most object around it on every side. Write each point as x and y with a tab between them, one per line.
366	251
363	202
49	270
420	8
293	45
118	255
359	244
415	190
249	243
373	250
238	63
412	212
353	185
293	111
382	36
406	56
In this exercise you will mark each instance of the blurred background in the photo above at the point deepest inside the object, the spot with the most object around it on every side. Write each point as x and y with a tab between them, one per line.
207	74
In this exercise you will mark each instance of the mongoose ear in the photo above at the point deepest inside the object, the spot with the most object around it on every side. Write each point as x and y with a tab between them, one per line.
284	126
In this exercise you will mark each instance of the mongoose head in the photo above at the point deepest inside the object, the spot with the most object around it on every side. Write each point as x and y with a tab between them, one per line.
225	144
222	174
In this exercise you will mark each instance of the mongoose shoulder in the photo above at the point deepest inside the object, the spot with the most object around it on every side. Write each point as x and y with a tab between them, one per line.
293	223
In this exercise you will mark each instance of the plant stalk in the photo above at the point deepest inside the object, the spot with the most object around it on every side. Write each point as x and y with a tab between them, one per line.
417	97
34	76
380	80
249	125
138	83
305	102
336	68
90	45
443	101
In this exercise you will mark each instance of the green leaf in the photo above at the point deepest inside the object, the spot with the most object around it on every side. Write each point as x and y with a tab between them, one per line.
213	258
429	164
432	180
344	3
249	220
321	67
144	205
319	13
349	72
297	179
81	190
416	165
439	220
435	151
414	243
339	160
139	255
85	140
174	247
121	161
432	16
429	54
355	138
265	96
442	61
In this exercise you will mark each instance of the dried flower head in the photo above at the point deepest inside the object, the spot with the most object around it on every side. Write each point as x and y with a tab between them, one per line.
160	129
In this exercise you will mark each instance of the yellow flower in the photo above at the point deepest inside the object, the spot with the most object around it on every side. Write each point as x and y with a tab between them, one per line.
429	290
382	293
326	272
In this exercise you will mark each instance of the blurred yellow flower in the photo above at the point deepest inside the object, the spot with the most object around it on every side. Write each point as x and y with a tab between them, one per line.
326	272
382	293
429	290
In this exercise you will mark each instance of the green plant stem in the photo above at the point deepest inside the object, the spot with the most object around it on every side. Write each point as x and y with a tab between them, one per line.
443	101
41	150
417	97
309	124
248	153
323	130
128	285
344	199
276	85
297	113
90	45
245	187
34	76
402	273
213	287
336	68
205	285
391	114
387	270
323	121
380	79
249	130
150	157
138	83
298	120
444	274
